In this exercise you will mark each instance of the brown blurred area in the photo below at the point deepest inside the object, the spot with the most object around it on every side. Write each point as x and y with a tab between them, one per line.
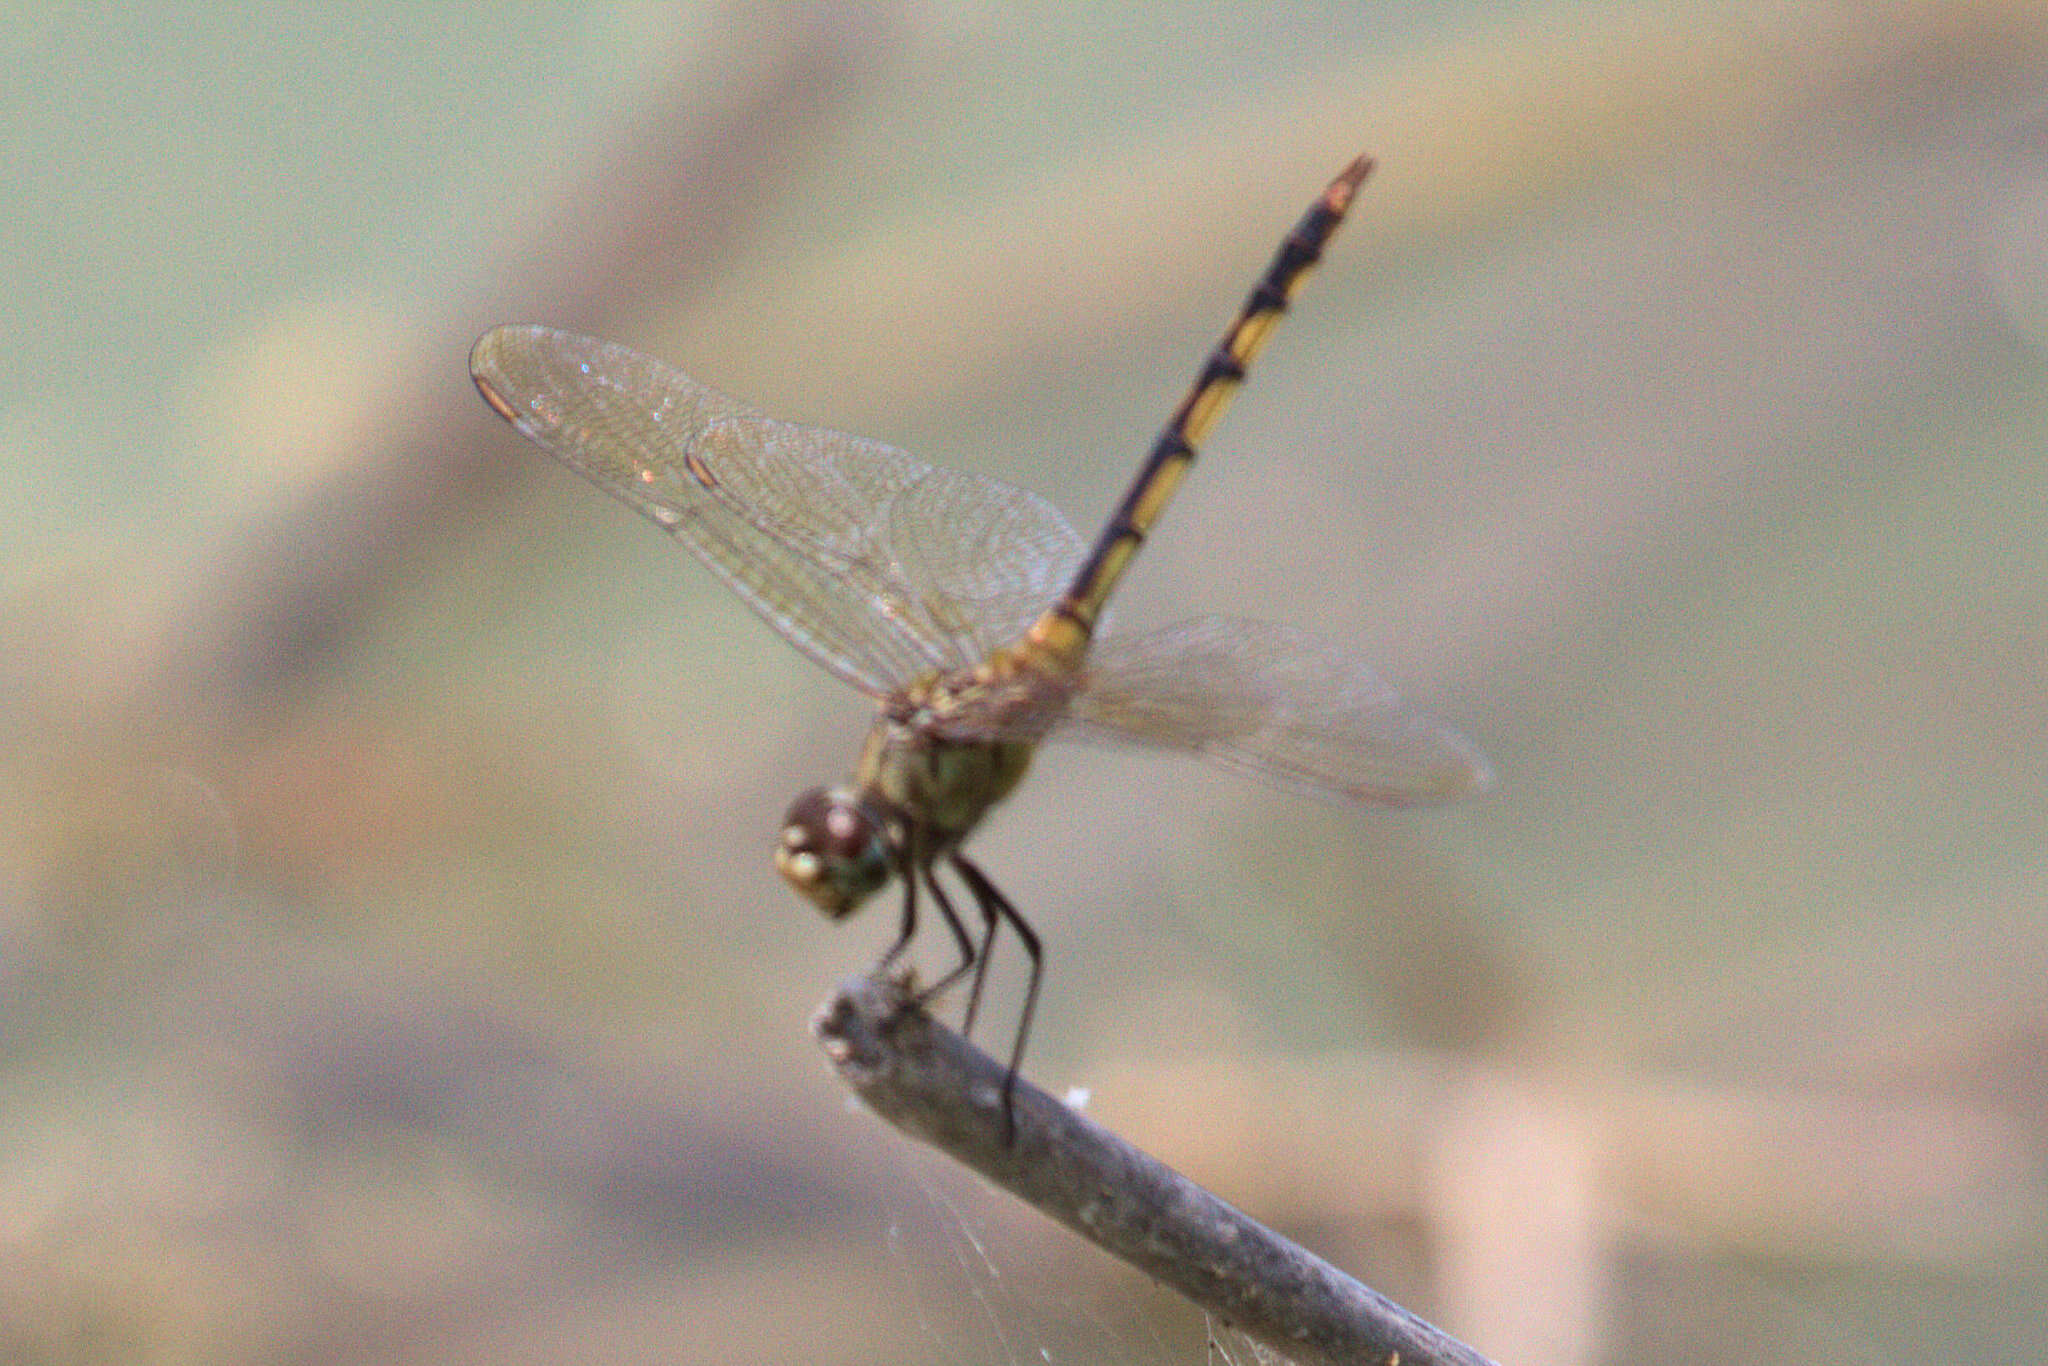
390	966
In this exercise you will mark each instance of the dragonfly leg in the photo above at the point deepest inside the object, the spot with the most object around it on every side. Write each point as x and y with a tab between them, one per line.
996	906
990	920
959	929
909	921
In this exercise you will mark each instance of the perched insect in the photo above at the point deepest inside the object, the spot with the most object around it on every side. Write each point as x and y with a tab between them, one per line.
967	609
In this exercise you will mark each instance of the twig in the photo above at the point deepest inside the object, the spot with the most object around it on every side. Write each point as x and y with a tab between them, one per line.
932	1084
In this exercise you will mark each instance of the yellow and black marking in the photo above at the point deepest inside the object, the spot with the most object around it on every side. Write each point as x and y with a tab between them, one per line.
1064	631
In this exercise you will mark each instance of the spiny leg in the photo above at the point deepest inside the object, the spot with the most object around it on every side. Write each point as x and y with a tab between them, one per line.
990	920
908	930
911	863
968	958
913	867
1066	627
995	905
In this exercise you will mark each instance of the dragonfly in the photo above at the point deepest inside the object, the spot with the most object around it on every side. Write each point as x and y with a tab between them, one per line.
968	610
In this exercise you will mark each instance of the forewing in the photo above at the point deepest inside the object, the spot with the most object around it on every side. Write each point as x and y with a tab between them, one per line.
872	562
982	559
1276	703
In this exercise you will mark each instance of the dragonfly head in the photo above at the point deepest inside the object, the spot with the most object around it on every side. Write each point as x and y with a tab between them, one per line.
834	849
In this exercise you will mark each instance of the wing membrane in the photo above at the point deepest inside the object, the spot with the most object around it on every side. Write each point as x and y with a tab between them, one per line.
1275	703
872	562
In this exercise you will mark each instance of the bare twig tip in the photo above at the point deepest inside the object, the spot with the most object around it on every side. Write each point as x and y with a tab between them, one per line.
932	1084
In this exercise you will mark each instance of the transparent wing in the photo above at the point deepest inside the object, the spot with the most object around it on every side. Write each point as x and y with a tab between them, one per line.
1275	703
874	563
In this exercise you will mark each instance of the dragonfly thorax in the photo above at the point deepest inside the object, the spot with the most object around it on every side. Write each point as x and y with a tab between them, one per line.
949	747
835	849
917	792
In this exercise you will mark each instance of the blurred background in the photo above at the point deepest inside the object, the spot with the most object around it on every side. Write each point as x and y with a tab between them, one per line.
391	969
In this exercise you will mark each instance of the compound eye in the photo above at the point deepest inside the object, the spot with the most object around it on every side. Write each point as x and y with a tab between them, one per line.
833	850
824	822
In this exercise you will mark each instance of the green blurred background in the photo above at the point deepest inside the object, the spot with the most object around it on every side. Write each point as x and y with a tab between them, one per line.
390	965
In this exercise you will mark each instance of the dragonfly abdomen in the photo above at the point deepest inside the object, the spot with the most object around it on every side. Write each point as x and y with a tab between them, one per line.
1079	608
